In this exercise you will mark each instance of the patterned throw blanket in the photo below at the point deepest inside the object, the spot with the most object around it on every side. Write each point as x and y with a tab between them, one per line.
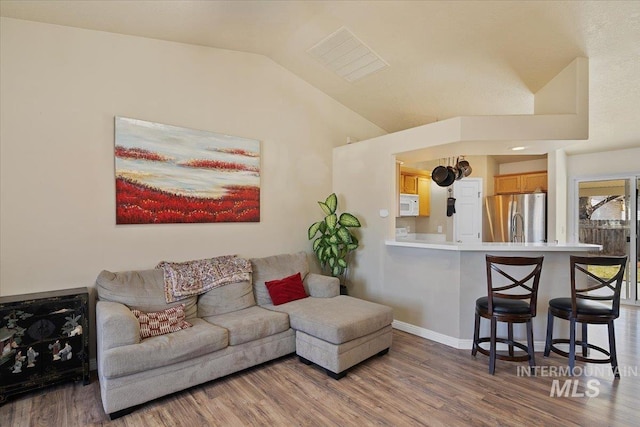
185	279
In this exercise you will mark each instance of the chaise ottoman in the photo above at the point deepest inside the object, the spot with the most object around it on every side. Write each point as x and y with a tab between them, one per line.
340	332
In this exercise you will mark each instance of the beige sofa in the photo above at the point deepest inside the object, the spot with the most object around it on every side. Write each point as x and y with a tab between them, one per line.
235	326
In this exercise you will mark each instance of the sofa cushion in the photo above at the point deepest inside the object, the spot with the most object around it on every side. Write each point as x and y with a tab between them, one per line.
161	322
141	290
285	290
338	319
274	268
250	324
164	350
318	285
227	298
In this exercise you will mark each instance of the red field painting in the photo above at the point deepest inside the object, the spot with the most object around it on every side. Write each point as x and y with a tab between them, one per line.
168	174
139	204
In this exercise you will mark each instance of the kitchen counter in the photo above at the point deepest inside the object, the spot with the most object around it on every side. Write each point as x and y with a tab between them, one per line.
412	242
436	284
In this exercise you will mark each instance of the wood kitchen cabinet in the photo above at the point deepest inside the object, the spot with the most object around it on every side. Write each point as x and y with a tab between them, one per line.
416	181
409	184
520	183
533	181
424	196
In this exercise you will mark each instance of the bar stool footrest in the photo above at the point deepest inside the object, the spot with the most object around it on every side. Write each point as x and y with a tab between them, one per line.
579	345
522	358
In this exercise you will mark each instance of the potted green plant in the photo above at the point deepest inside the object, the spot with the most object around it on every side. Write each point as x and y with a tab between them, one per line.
335	241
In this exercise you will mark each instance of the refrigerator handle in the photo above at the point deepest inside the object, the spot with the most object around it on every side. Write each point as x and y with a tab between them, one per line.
514	221
514	214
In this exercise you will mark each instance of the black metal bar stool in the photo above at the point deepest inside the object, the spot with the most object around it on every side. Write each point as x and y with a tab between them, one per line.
511	300
596	283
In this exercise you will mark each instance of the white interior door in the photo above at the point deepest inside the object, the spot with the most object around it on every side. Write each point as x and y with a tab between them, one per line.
467	221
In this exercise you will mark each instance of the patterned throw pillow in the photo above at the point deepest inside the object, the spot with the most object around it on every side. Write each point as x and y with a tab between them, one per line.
161	322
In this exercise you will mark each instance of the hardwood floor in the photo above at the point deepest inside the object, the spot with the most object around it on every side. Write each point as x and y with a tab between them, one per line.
419	382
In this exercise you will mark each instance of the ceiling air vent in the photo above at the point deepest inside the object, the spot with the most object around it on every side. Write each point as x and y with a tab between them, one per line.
347	56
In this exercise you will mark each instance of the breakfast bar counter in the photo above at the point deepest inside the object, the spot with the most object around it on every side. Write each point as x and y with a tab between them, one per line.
493	246
437	283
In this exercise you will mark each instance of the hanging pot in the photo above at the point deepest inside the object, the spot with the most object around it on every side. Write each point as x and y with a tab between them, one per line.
451	174
458	170
439	174
449	178
465	167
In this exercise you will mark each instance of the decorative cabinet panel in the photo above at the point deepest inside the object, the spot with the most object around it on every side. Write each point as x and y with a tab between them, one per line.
44	339
520	183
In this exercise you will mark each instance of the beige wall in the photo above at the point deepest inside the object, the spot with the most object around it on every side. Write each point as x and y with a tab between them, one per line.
400	278
596	166
605	164
523	167
557	199
61	88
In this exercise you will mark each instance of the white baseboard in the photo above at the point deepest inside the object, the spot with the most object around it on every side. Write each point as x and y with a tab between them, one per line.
461	344
429	334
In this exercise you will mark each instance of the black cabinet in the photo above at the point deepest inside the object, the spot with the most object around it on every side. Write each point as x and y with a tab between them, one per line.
44	339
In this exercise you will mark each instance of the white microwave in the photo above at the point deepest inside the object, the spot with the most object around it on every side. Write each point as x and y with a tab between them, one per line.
409	205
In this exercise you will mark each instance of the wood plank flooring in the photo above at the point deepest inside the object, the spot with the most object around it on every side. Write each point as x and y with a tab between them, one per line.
419	382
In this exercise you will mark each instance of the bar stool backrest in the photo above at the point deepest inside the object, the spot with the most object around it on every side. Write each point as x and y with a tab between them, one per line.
509	277
597	278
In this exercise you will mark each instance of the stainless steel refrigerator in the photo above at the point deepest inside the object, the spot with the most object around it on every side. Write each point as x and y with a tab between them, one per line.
517	217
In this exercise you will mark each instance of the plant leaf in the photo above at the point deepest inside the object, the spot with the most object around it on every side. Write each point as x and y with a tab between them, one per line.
332	262
325	208
313	230
352	247
332	202
344	235
319	253
333	239
334	249
342	263
348	220
336	270
331	221
317	243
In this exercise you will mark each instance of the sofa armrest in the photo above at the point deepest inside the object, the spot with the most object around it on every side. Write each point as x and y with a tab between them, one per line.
116	326
320	286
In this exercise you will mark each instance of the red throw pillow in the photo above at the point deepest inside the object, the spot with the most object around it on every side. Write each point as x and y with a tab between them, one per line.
286	290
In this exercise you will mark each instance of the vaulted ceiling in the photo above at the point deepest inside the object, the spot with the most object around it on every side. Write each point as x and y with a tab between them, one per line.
444	58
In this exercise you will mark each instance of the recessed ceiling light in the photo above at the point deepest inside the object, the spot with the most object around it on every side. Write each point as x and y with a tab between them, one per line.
520	148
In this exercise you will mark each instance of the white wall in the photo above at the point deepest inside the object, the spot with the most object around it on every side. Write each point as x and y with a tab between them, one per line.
60	90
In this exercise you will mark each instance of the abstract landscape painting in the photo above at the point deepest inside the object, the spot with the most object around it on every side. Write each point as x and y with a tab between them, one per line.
170	174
